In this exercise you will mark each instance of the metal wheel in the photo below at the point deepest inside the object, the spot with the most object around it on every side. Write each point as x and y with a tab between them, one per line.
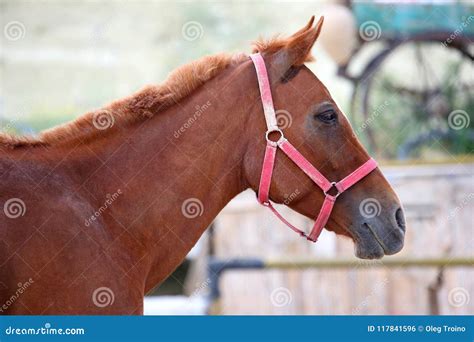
417	93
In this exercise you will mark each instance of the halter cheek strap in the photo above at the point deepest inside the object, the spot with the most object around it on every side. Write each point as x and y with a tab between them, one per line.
291	152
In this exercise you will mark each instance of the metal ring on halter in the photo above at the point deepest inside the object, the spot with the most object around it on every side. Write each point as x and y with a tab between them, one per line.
333	185
279	141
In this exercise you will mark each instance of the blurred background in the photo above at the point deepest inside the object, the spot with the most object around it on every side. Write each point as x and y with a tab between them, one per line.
402	71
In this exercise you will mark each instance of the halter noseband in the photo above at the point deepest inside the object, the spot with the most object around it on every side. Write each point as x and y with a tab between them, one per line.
298	159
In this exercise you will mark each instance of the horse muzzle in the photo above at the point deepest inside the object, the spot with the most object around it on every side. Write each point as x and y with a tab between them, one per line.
376	236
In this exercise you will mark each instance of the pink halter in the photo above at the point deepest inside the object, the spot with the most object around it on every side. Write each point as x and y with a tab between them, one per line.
298	159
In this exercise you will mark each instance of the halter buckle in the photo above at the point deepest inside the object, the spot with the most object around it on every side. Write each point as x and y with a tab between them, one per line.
333	186
280	139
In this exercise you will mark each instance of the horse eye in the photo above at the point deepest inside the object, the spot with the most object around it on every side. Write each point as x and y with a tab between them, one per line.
328	116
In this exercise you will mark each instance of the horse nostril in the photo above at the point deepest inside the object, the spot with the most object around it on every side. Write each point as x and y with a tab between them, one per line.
400	218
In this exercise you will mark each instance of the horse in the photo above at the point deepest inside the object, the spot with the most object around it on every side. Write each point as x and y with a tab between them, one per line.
100	210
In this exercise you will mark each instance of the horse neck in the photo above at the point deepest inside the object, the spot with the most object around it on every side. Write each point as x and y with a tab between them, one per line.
176	171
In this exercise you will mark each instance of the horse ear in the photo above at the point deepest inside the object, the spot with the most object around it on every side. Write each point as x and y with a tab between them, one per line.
297	49
304	29
300	44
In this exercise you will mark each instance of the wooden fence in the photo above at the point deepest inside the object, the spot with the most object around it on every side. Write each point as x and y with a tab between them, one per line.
438	202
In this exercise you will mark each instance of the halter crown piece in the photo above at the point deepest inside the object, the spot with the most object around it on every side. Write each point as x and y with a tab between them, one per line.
298	159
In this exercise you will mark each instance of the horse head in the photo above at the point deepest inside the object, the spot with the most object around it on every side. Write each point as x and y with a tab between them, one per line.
370	212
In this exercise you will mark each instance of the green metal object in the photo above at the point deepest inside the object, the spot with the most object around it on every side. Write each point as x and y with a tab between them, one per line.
405	19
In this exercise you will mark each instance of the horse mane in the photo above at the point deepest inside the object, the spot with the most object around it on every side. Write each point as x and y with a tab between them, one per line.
143	104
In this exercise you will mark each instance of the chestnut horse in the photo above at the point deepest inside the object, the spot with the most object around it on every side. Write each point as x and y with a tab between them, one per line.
99	211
